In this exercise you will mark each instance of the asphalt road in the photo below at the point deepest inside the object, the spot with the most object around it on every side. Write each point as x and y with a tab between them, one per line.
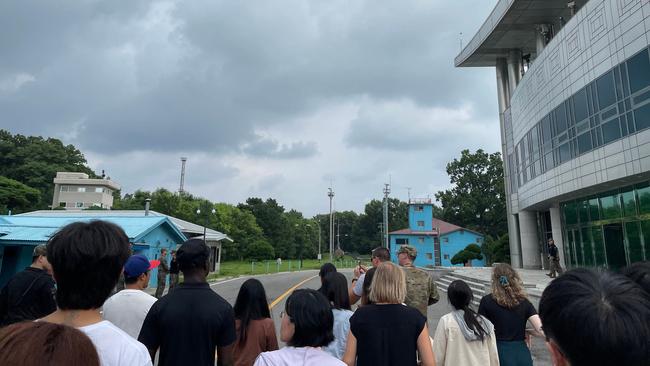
278	286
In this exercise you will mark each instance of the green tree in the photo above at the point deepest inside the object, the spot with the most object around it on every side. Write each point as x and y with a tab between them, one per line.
275	225
477	197
16	196
34	161
241	226
497	250
471	252
369	228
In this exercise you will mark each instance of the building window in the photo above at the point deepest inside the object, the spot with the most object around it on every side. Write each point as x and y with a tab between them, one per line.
446	256
421	240
419	208
446	240
61	204
99	189
429	256
401	241
420	223
79	204
64	188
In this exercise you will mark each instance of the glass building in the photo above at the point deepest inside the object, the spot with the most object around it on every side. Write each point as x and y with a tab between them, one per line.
573	84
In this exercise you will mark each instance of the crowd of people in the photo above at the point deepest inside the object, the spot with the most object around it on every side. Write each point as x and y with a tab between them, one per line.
60	311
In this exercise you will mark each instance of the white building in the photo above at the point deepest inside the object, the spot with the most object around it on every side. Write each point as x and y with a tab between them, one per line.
75	191
573	80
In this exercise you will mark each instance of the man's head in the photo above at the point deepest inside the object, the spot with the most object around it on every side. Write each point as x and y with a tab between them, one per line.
406	255
551	241
193	258
596	318
163	252
173	254
137	271
39	258
379	255
87	258
639	272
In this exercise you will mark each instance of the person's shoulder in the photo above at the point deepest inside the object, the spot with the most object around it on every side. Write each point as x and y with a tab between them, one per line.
487	299
410	311
415	273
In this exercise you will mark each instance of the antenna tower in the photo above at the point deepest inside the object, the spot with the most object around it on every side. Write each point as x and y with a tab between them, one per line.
181	189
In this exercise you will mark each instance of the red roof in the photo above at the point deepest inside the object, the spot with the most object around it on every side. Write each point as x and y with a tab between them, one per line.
445	227
437	224
413	232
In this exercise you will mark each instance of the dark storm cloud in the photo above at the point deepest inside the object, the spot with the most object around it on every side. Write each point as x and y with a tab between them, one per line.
204	75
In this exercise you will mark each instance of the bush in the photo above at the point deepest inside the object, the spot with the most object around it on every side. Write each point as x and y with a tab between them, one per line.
260	250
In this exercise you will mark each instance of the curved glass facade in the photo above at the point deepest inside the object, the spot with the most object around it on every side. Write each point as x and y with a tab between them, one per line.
613	106
609	230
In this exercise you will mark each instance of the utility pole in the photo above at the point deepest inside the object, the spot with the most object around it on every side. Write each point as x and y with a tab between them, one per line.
386	193
330	194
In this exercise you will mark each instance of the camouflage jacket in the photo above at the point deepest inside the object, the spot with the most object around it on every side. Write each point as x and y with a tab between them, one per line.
421	290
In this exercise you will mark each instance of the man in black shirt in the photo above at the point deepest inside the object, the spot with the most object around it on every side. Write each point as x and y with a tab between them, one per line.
173	272
29	294
554	257
192	321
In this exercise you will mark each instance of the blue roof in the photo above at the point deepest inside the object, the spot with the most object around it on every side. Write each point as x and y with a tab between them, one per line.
39	229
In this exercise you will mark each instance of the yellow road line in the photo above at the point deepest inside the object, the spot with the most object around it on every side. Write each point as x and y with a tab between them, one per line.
286	293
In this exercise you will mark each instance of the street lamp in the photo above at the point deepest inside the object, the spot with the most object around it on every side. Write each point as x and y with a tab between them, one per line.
205	225
205	222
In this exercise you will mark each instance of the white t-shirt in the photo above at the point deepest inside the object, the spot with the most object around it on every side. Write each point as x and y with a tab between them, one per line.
306	356
127	310
115	347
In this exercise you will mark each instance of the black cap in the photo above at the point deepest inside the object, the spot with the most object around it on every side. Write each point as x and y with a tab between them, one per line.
193	253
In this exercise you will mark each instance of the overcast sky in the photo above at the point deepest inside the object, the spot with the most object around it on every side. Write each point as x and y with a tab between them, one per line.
265	98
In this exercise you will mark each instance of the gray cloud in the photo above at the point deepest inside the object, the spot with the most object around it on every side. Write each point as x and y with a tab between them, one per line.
266	147
221	82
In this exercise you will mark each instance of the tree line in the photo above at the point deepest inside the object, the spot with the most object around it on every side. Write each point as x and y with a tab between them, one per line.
263	228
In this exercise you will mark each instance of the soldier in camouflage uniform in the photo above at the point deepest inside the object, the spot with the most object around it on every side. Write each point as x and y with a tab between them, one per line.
421	290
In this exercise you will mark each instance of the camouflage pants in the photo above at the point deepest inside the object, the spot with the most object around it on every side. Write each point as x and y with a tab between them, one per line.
556	268
161	287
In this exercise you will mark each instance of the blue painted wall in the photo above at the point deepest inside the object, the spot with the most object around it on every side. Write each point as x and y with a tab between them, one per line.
424	246
425	215
159	238
454	242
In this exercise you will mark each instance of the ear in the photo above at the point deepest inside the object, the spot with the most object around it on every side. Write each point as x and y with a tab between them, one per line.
557	356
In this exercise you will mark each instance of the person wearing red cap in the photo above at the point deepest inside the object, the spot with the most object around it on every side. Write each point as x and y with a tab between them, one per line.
128	308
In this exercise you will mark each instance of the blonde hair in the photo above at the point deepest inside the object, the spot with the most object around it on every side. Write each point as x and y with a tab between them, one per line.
507	287
388	284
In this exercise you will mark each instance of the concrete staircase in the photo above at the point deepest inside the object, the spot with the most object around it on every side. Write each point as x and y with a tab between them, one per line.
481	287
478	287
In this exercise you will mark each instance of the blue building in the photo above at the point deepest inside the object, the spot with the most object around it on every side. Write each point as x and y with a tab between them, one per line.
19	234
436	241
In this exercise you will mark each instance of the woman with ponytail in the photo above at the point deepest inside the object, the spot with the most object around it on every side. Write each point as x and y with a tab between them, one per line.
508	308
463	337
